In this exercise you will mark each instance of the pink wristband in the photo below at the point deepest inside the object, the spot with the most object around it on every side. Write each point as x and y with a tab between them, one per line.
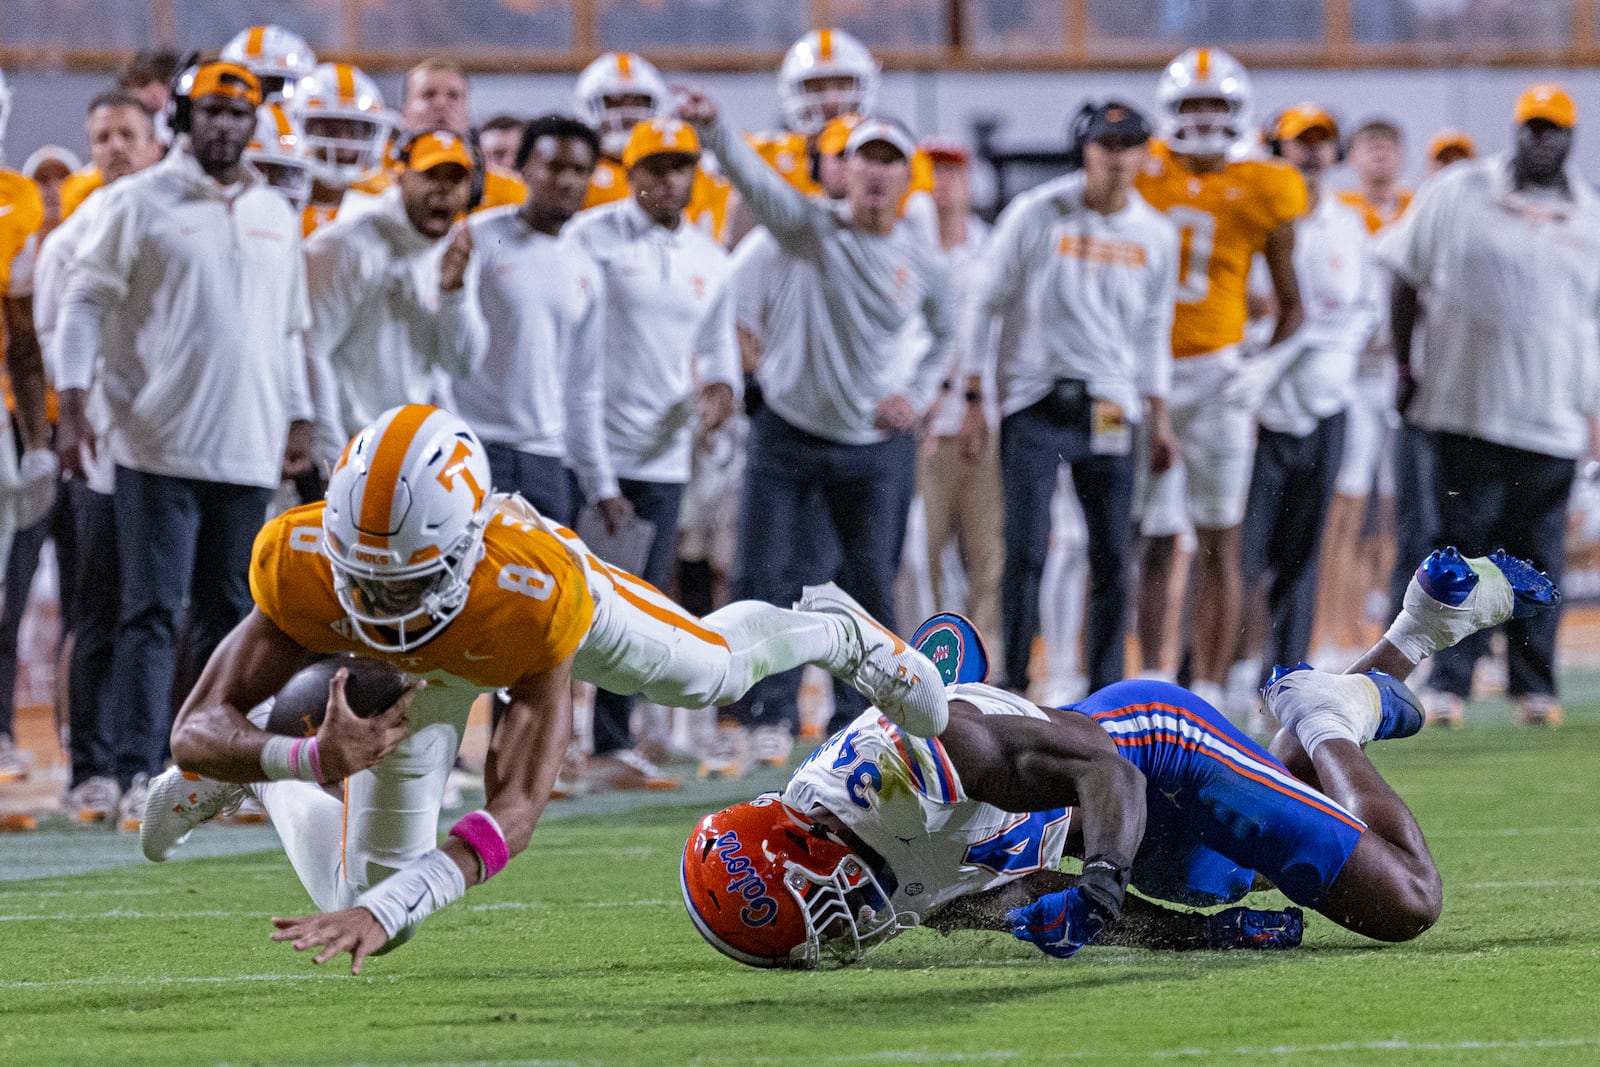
482	834
305	763
314	758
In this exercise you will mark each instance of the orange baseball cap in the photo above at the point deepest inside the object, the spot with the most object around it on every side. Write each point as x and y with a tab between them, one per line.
1296	120
1449	138
1549	102
436	147
836	134
226	79
657	137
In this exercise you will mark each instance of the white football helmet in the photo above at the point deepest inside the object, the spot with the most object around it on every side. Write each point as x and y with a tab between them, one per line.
279	57
278	150
1206	74
617	92
346	125
807	106
403	524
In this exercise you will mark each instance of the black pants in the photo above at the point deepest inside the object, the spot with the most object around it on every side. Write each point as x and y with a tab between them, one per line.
1416	511
20	569
658	503
1492	496
1032	446
541	480
1291	486
94	631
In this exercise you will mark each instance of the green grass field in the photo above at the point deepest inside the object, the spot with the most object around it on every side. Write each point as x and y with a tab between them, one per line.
580	953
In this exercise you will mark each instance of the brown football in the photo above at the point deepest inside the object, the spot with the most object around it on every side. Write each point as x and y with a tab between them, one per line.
371	688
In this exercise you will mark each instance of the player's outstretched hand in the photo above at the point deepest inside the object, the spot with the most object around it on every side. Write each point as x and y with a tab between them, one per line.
347	743
694	106
1058	924
353	930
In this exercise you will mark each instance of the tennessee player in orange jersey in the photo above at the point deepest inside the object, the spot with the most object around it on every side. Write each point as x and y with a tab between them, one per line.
1228	209
416	561
616	92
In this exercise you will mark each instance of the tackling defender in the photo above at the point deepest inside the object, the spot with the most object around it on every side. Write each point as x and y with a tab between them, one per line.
878	831
414	561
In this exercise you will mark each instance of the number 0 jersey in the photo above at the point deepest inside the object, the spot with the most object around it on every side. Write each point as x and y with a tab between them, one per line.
528	606
901	795
1223	220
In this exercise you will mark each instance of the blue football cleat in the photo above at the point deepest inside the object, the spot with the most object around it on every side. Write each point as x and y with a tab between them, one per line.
1532	587
1402	710
1260	930
1447	577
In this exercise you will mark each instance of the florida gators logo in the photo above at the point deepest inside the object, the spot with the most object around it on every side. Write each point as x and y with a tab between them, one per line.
954	646
760	909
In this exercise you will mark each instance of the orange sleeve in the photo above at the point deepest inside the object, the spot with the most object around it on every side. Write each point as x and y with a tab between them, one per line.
608	184
76	189
500	189
1285	195
288	580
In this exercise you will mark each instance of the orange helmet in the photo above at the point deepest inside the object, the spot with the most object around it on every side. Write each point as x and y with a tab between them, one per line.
769	887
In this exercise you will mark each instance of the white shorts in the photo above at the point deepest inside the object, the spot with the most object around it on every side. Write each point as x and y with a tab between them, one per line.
1208	487
1368	435
902	796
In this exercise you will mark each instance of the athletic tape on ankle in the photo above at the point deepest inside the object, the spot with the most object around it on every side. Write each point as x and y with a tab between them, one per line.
291	757
1413	640
483	835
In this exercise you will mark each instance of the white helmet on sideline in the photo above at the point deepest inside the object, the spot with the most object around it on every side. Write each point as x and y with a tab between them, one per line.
617	92
825	54
1205	74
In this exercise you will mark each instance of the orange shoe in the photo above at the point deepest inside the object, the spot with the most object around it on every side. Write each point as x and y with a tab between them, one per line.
1539	709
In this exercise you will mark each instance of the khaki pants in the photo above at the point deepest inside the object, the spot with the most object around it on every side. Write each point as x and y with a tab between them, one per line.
962	500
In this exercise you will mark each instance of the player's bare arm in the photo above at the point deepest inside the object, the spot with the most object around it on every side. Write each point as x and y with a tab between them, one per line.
212	737
1285	286
524	757
25	364
1021	764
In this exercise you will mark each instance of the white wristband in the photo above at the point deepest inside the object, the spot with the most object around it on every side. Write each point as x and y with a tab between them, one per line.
415	892
291	757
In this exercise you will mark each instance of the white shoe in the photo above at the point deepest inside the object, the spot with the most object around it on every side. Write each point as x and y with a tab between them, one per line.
15	763
92	800
899	680
728	755
130	808
173	804
1356	707
772	745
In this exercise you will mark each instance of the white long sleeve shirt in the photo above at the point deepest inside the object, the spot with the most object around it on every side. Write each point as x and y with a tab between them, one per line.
1096	296
1511	282
841	302
379	320
540	388
206	384
669	332
1339	289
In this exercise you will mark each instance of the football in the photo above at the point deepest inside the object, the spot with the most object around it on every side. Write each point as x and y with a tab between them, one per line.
371	688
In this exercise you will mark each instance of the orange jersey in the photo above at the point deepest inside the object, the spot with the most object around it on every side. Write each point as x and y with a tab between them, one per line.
316	215
527	609
23	215
708	200
1223	221
790	155
1373	215
77	187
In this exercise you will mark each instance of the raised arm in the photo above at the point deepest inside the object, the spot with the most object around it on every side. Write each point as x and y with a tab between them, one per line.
776	204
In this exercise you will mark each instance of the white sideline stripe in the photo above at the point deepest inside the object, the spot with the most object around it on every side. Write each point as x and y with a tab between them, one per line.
1377	1046
61	983
1514	831
128	913
1569	883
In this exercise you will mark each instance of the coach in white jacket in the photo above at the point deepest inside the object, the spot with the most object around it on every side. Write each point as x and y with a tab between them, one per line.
1084	274
394	298
206	258
672	362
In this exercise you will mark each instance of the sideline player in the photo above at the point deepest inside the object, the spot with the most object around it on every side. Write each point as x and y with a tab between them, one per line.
413	560
877	831
347	130
1227	210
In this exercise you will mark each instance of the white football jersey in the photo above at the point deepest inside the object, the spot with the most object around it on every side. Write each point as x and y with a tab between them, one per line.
902	796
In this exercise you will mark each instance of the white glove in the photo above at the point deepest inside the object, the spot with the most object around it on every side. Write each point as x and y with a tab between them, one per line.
39	473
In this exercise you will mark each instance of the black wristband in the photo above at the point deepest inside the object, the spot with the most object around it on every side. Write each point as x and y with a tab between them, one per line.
1104	883
974	397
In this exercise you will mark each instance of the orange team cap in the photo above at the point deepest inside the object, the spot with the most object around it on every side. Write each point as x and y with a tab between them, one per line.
836	134
437	147
656	137
1447	139
226	79
1549	102
1298	119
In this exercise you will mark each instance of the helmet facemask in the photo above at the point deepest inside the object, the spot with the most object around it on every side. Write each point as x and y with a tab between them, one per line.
395	608
345	148
846	911
1209	132
817	100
